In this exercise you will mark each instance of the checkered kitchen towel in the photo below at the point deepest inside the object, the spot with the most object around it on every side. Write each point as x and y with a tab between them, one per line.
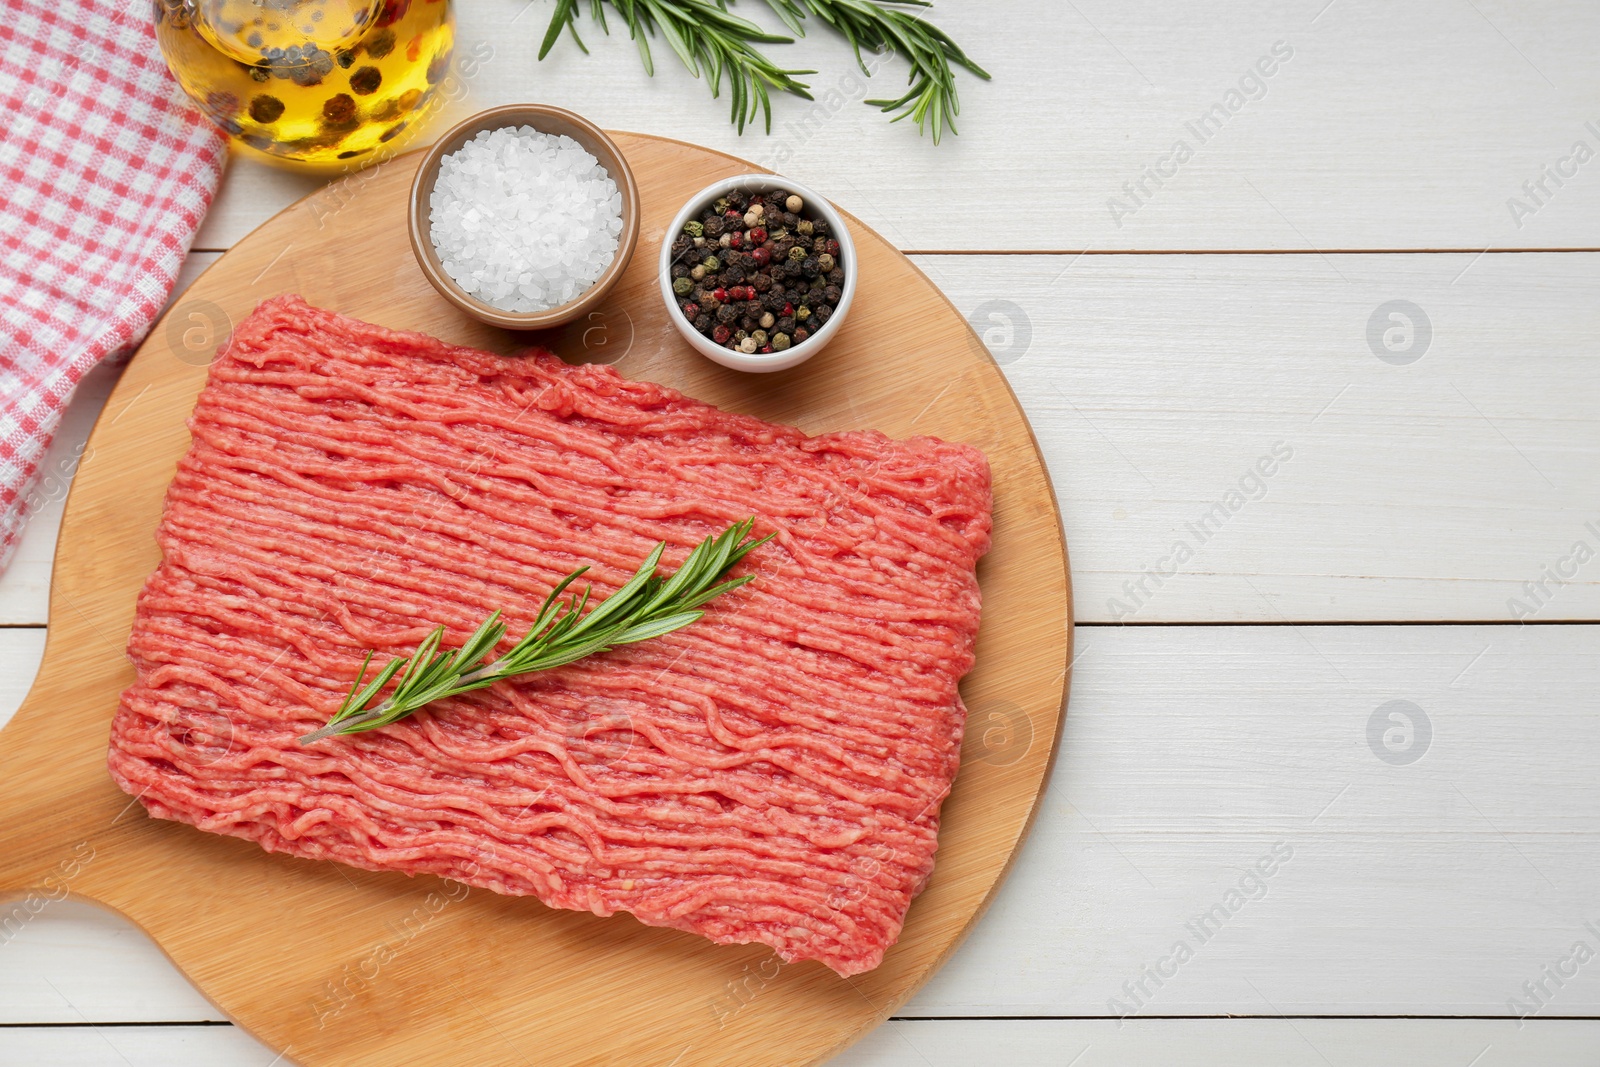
105	174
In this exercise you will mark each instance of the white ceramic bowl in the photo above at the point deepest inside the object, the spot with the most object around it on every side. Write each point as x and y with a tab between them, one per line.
759	362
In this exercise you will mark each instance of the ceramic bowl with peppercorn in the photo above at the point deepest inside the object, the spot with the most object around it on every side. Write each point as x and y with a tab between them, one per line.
758	272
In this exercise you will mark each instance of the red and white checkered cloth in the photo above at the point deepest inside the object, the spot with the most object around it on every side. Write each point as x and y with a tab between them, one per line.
105	173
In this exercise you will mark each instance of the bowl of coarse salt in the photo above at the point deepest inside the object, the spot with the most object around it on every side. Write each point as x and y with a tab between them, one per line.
524	216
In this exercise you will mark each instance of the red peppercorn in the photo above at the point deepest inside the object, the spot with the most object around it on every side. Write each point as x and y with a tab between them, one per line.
788	309
833	249
721	334
765	349
735	240
758	235
733	213
800	334
720	294
691	310
761	256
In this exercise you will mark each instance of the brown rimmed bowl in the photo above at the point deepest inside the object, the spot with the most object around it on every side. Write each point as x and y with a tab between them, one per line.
551	120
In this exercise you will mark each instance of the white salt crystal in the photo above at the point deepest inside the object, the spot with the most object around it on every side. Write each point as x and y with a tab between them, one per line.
523	220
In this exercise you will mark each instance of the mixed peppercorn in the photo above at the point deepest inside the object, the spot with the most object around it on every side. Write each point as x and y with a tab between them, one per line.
755	274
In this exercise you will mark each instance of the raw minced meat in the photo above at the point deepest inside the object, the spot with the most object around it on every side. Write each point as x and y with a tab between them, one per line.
771	773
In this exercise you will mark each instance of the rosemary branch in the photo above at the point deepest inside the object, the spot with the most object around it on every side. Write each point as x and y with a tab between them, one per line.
708	37
648	605
881	27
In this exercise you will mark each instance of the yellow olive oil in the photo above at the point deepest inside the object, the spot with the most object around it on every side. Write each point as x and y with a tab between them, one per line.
325	84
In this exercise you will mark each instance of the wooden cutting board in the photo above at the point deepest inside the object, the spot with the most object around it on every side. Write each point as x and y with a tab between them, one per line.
334	966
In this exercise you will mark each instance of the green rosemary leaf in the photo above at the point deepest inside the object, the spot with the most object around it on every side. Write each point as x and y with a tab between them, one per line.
563	631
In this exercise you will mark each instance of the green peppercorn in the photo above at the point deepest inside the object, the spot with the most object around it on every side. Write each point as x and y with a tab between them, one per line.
797	253
693	228
721	205
698	271
825	262
711	263
761	337
805	227
683	286
780	341
740	335
802	313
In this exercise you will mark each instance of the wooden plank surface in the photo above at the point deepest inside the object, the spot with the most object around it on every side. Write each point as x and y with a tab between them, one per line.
959	1043
1390	126
1419	492
1436	886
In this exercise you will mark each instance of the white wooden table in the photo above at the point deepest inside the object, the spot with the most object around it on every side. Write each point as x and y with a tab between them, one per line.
1336	283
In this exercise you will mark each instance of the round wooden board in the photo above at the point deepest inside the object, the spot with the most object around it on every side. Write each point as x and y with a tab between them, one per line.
334	966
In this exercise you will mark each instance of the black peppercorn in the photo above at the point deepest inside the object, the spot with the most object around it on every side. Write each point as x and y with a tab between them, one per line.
836	276
785	324
810	267
364	81
737	199
791	268
832	294
727	314
819	227
703	322
790	220
380	44
762	283
713	227
773	301
680	271
733	276
266	109
823	313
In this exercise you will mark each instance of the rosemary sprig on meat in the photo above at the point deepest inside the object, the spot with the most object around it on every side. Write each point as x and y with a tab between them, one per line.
648	605
709	38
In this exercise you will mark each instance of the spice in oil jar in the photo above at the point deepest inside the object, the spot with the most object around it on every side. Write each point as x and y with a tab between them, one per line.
329	83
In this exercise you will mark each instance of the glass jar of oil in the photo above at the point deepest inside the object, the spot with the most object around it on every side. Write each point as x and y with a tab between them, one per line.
318	84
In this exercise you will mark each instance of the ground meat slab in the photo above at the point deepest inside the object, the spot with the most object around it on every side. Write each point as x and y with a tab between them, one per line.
771	773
